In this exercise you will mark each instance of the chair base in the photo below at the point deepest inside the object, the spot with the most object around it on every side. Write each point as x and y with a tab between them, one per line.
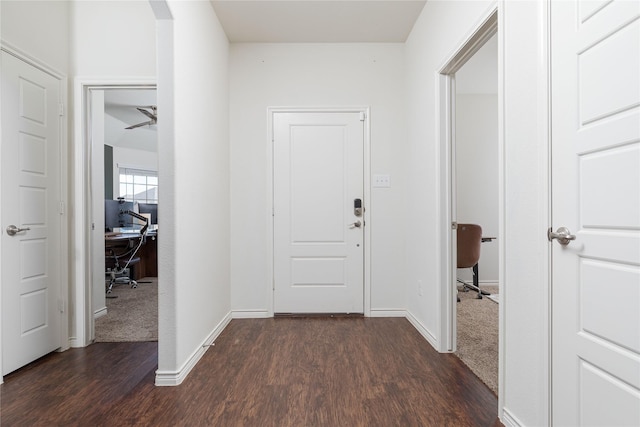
475	286
119	277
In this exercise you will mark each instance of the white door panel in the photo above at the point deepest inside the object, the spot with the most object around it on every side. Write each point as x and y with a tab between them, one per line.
30	200
596	194
318	172
98	266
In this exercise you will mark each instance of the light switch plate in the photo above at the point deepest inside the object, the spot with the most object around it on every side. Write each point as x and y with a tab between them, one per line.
381	181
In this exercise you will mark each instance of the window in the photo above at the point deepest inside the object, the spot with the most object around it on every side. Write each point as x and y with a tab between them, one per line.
138	185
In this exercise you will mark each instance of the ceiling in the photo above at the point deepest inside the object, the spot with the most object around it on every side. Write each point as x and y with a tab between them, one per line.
120	112
297	21
317	21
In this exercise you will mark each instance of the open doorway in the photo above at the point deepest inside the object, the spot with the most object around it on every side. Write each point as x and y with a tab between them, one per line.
464	165
123	151
475	195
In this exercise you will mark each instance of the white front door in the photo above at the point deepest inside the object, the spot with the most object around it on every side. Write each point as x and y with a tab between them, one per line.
318	235
30	192
595	87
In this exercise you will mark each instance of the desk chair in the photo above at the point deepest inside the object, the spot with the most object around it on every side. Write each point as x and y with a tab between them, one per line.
119	273
469	241
118	265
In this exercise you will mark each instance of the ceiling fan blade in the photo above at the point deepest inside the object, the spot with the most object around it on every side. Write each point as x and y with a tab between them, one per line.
150	122
148	114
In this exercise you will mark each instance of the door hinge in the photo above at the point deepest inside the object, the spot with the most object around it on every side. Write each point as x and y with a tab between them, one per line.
61	109
454	225
61	207
363	116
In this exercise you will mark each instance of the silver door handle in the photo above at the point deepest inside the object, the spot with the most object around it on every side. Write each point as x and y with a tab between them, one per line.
356	224
563	235
12	230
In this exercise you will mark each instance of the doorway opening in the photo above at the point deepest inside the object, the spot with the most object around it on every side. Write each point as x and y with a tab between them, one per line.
124	186
470	152
475	200
121	163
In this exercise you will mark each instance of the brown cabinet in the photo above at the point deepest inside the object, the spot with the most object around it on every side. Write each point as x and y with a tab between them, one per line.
145	262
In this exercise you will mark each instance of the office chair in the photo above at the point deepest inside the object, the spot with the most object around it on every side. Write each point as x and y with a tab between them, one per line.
469	241
118	271
118	267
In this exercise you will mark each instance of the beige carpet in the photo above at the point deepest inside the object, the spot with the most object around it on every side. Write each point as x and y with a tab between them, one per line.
477	344
132	316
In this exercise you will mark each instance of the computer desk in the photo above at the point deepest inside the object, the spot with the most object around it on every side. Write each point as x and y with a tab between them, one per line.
148	252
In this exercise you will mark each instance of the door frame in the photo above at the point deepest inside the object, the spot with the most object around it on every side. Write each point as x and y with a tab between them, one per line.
488	26
64	180
83	268
482	32
271	111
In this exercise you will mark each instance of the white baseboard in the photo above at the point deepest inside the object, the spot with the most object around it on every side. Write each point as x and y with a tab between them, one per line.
250	314
489	283
100	312
509	420
173	378
423	330
389	312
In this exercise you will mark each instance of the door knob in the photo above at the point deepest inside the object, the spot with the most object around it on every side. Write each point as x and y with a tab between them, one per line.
356	224
12	230
563	235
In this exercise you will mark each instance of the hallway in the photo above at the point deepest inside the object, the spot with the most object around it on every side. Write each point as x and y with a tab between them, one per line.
261	372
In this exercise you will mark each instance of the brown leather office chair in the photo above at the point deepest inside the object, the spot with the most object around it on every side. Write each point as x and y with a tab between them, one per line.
468	254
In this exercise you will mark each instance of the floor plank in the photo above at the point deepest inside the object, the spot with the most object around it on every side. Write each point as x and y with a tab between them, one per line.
261	372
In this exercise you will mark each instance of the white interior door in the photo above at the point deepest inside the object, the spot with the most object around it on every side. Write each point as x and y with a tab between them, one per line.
31	257
97	203
318	237
596	195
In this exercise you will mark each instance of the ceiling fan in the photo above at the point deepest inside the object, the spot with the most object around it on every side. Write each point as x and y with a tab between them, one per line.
152	114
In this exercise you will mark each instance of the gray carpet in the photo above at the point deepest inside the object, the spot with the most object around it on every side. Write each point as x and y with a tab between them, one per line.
477	344
132	316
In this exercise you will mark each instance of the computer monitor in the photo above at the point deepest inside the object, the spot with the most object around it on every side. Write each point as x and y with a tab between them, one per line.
114	216
126	220
111	215
149	208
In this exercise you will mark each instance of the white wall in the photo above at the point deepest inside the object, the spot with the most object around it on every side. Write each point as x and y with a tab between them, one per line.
524	307
38	28
113	38
109	41
194	298
436	35
314	75
477	175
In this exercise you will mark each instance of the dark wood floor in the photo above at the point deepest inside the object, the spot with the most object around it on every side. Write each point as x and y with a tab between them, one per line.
261	372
